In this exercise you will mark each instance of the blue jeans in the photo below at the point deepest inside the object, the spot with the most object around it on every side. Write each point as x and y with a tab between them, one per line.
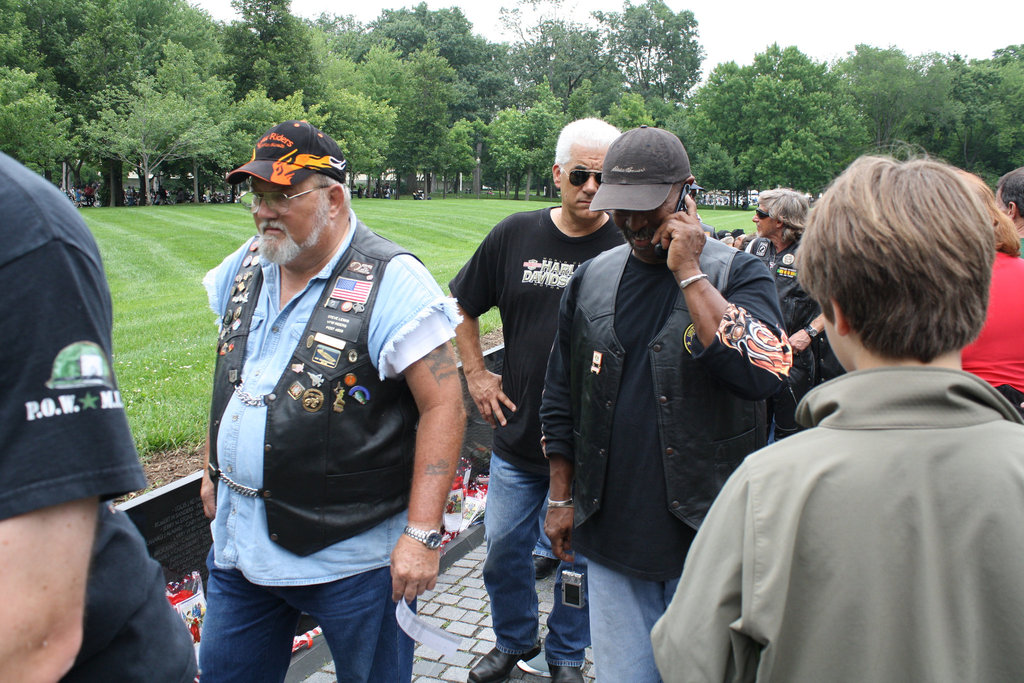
623	612
542	548
248	629
515	499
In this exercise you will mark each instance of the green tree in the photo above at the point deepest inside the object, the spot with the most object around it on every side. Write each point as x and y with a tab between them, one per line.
785	118
481	82
655	48
89	46
423	104
455	154
889	90
179	72
345	36
542	123
564	53
16	41
363	129
147	127
382	74
32	128
507	146
629	112
714	168
270	49
581	104
983	125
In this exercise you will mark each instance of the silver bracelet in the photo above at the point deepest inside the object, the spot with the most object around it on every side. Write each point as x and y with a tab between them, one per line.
567	503
683	284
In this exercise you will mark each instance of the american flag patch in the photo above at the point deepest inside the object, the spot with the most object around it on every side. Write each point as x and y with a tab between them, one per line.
348	289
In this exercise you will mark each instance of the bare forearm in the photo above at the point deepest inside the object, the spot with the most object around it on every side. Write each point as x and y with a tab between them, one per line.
438	442
434	382
207	488
467	336
561	470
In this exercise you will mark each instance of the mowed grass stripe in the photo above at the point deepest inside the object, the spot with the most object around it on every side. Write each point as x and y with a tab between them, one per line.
164	332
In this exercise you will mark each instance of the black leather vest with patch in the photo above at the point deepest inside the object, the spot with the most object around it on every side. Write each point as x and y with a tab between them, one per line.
705	431
339	442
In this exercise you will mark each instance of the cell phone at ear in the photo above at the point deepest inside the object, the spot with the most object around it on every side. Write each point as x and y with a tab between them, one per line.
681	204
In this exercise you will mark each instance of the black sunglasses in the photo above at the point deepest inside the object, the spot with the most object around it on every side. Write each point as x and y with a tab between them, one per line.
579	177
762	214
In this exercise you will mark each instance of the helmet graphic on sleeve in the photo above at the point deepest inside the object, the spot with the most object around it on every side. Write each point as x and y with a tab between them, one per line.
82	364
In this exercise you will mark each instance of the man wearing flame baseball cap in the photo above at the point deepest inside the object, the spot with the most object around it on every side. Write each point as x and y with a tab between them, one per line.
653	393
326	497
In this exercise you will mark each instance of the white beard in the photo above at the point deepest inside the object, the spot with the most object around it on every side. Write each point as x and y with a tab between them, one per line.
283	250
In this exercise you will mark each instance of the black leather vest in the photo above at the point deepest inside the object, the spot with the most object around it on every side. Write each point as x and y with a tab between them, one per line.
798	308
339	442
705	431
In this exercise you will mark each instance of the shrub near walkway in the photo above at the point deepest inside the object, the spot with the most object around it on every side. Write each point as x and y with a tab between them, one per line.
164	332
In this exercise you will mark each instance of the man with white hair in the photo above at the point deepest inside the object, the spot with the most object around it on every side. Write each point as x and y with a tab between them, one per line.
334	344
521	267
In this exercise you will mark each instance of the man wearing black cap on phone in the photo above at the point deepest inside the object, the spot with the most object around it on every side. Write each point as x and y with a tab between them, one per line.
333	343
665	348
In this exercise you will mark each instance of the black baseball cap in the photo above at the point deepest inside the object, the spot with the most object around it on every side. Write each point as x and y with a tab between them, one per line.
289	153
640	168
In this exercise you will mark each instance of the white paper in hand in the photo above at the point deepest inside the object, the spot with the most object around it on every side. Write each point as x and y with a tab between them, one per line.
427	634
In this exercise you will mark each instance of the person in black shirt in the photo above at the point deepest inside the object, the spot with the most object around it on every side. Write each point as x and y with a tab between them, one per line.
652	394
522	267
83	601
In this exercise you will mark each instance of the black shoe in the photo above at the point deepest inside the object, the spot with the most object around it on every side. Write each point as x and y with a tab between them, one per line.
496	665
543	567
565	674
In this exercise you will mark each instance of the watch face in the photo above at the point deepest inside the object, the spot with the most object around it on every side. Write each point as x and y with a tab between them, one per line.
433	540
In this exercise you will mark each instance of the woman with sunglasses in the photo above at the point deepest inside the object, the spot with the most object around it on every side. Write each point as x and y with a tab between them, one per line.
780	216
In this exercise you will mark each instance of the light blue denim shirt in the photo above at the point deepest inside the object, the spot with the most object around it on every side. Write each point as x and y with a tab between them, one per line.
408	299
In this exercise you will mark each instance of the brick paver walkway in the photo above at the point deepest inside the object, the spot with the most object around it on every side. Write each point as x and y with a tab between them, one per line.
459	604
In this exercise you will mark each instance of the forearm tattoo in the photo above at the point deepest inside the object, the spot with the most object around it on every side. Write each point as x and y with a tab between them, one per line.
753	340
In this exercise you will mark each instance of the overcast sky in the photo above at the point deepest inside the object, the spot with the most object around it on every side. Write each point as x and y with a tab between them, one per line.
738	29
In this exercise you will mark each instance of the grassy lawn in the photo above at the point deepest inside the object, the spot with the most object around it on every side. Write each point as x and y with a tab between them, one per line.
727	219
164	331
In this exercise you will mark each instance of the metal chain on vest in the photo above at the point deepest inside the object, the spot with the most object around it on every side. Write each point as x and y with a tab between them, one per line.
236	487
247	398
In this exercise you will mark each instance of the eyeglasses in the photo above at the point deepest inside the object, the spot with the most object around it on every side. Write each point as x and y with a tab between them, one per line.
278	202
579	177
762	213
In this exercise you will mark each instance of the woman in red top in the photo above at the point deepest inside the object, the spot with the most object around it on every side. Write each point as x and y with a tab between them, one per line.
997	355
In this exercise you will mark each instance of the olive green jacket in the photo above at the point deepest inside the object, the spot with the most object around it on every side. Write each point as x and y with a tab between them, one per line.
884	544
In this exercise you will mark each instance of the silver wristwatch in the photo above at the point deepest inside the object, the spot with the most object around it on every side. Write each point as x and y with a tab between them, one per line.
430	538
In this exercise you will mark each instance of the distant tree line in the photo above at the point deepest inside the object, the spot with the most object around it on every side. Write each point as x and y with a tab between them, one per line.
158	88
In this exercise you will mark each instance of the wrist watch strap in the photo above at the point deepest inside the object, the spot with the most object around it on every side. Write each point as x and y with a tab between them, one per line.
430	537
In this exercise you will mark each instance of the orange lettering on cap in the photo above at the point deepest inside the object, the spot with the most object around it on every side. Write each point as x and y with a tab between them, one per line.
274	140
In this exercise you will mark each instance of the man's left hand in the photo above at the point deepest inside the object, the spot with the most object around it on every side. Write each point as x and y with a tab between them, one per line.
414	569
